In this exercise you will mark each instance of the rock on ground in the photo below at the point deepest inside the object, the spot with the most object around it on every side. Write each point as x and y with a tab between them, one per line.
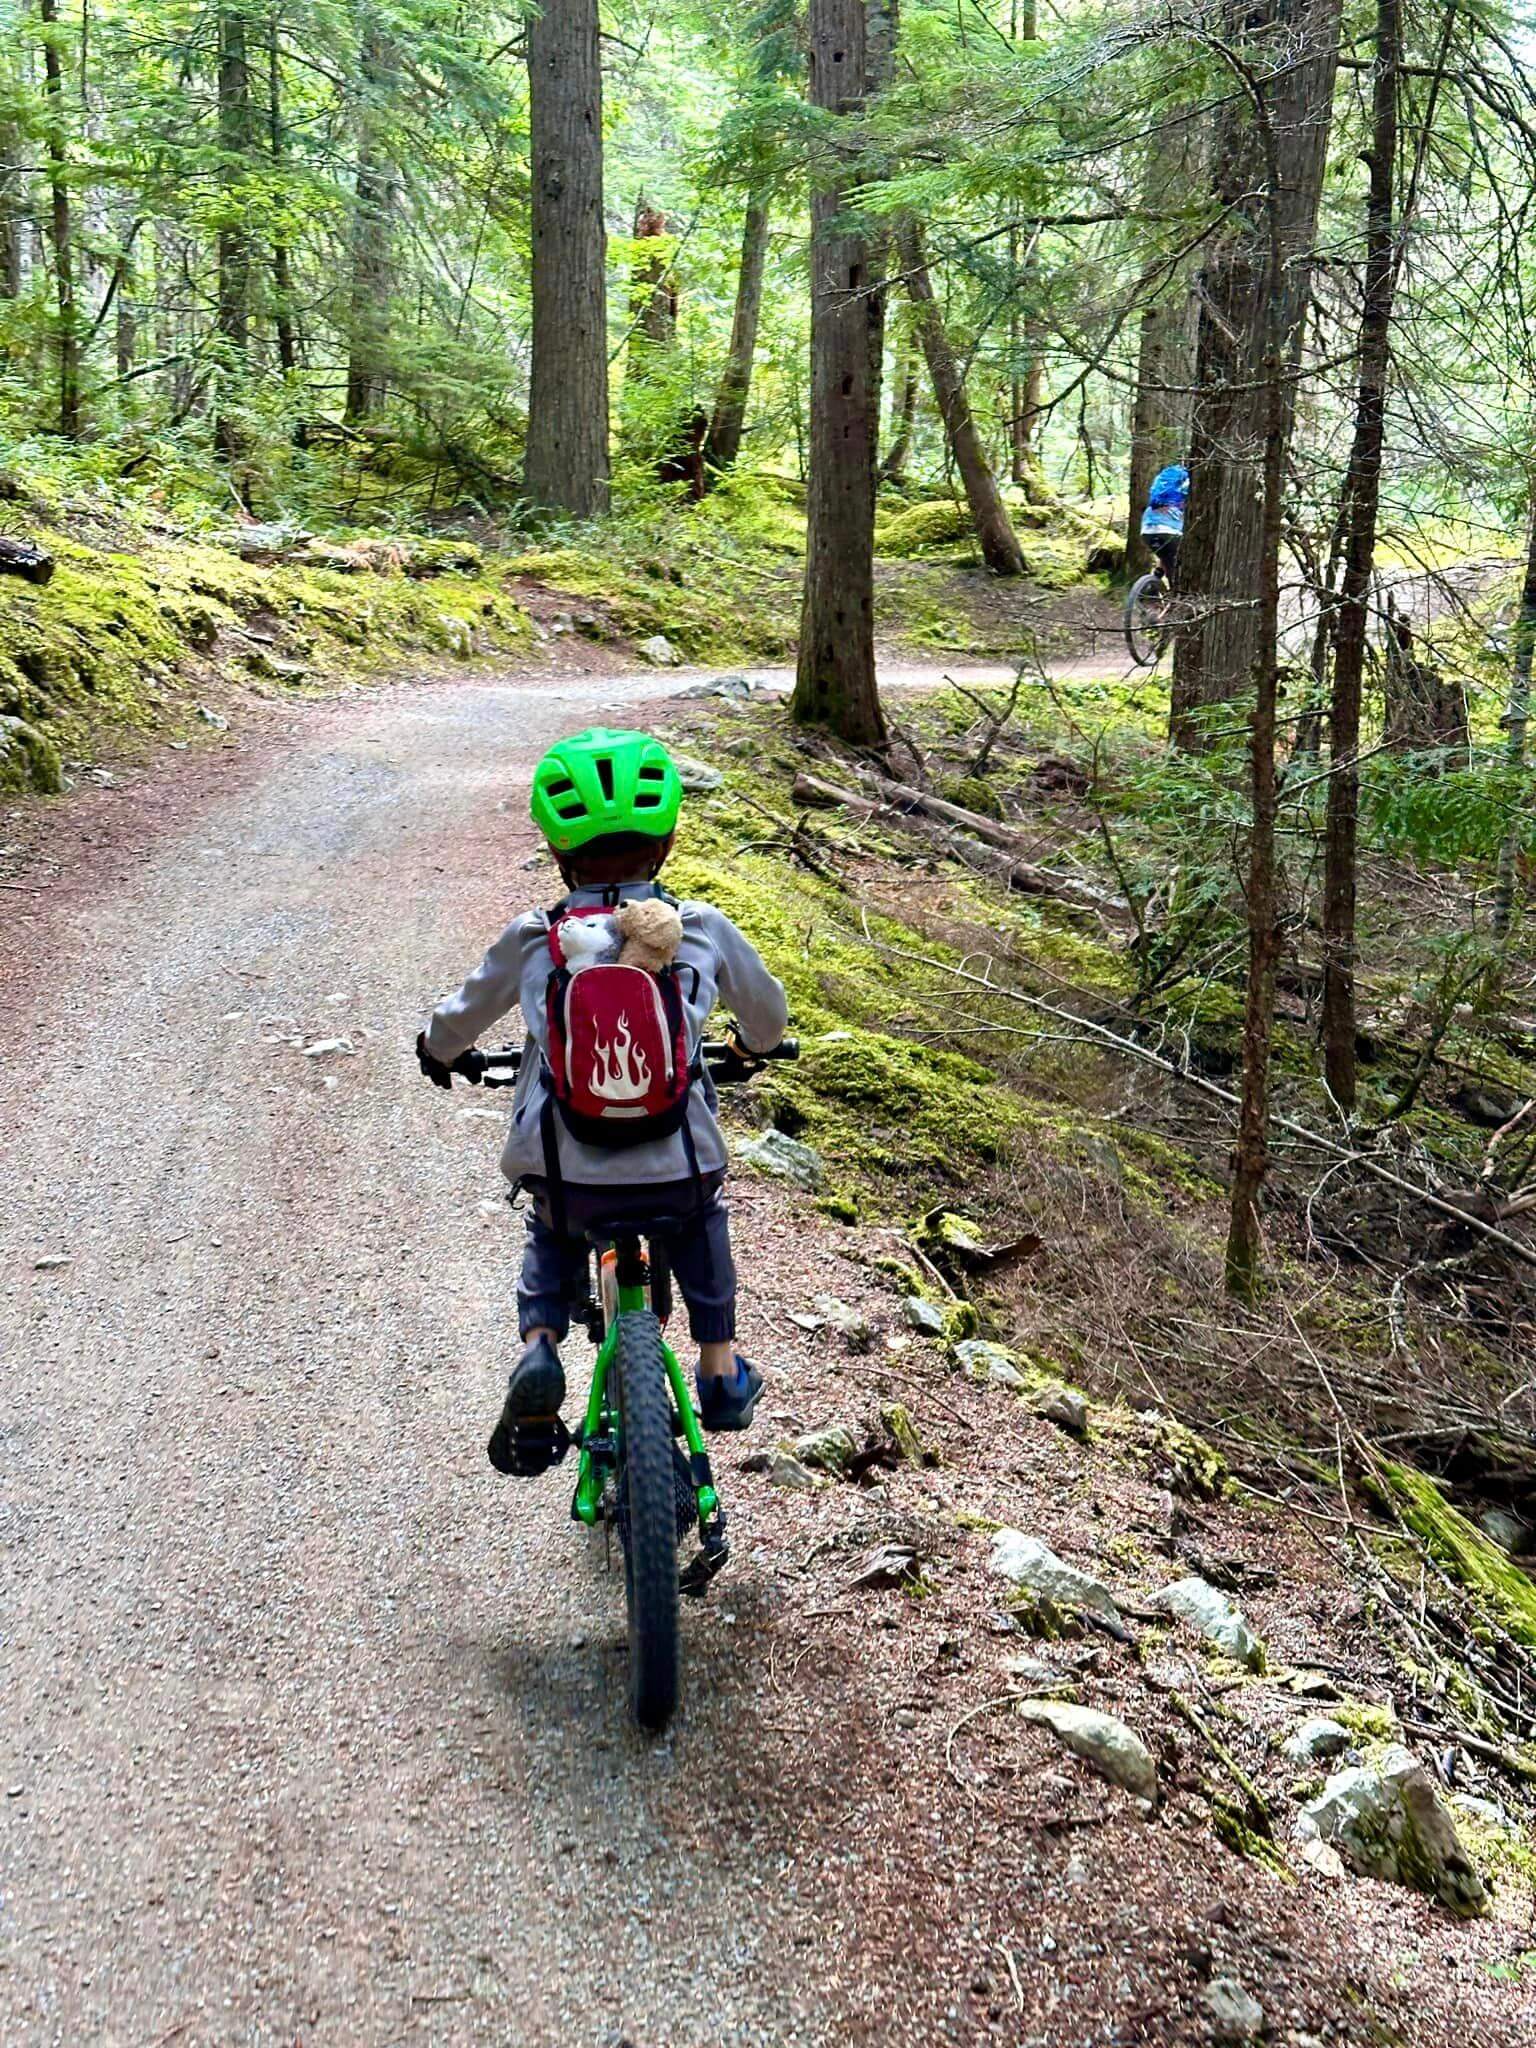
924	1316
1319	1736
659	652
1213	1616
1387	1820
1234	2014
990	1363
826	1450
783	1158
1029	1562
1099	1739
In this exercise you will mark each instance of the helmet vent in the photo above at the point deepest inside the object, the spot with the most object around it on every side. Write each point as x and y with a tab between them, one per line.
604	767
562	788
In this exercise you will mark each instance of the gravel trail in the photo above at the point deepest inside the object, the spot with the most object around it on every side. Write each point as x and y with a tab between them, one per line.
312	1729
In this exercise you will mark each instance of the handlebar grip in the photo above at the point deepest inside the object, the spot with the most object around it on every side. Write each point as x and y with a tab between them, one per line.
786	1049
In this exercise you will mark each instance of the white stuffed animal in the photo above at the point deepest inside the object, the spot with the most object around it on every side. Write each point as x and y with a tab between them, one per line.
588	941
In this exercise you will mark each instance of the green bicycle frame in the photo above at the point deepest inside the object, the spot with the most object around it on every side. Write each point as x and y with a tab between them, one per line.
602	1420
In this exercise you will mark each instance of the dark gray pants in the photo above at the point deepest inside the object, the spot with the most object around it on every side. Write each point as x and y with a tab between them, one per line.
698	1250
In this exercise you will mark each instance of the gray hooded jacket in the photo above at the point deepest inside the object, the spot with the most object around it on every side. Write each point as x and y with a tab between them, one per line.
515	973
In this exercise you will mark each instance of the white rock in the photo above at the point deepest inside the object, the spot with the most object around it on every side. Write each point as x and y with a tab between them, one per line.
782	1157
1387	1820
1506	1529
324	1046
696	775
990	1363
659	652
51	1262
790	1474
1318	1737
925	1316
1109	1745
1028	1562
827	1449
1322	1857
1212	1614
1065	1407
850	1325
1234	2015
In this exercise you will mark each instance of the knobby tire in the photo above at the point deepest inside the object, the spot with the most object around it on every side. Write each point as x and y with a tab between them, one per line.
1145	637
649	1522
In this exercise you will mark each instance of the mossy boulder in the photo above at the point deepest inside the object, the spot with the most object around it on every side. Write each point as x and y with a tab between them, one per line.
1386	1820
935	523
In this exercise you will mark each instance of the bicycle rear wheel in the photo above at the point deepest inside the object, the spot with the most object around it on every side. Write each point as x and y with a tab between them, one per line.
1146	620
648	1521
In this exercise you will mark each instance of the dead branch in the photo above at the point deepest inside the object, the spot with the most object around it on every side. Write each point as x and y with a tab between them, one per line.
1025	876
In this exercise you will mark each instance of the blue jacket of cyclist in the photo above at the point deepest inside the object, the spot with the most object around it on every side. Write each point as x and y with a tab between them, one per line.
1162	523
614	1117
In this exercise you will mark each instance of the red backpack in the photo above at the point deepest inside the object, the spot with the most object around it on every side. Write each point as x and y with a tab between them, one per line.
617	1044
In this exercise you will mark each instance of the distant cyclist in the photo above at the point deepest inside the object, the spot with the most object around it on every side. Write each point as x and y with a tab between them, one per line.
1162	523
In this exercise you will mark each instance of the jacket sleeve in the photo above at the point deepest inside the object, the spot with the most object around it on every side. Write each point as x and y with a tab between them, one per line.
746	985
494	988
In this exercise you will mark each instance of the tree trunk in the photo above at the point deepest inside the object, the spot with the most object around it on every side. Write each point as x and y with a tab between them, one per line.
723	442
1294	49
1358	513
1165	360
893	469
1517	719
373	201
60	225
12	209
1272	181
566	467
282	271
994	533
1426	710
835	675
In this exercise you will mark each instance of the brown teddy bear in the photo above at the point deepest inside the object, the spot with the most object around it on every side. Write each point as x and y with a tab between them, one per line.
652	931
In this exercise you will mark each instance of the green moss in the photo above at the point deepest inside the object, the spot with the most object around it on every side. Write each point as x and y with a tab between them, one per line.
973	793
1461	1548
1238	1832
100	647
1368	1724
936	523
712	610
877	1106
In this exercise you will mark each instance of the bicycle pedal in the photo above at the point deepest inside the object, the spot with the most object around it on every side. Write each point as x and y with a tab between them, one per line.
525	1449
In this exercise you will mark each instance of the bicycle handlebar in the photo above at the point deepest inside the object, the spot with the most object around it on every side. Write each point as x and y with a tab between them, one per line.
727	1061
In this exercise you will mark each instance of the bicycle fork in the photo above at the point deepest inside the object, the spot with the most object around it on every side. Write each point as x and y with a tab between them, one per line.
624	1280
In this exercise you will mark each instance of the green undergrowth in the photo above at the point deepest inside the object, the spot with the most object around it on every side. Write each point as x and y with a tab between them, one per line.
900	1121
113	641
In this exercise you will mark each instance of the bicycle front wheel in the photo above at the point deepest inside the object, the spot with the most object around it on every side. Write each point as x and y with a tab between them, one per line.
1146	620
648	1521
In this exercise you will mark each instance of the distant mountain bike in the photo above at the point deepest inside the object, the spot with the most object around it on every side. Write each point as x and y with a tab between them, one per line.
632	1474
1149	618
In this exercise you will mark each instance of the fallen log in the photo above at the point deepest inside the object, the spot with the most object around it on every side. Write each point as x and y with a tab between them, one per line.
1025	876
25	558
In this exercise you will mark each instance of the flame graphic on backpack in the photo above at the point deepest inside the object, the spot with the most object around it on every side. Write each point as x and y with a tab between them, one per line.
617	1054
620	1072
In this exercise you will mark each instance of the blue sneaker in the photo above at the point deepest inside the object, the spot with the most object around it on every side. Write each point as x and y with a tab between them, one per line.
728	1403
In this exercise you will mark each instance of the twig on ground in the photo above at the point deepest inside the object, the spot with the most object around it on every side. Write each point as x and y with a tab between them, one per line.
1002	1699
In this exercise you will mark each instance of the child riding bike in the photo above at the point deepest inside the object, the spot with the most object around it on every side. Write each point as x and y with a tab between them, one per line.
615	1118
1162	523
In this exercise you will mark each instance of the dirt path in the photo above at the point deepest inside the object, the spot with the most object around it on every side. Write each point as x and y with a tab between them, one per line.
311	1729
315	1724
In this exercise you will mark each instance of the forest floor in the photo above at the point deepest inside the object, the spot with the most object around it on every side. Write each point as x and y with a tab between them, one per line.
313	1729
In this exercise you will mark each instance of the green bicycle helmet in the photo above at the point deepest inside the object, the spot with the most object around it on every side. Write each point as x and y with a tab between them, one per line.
600	782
